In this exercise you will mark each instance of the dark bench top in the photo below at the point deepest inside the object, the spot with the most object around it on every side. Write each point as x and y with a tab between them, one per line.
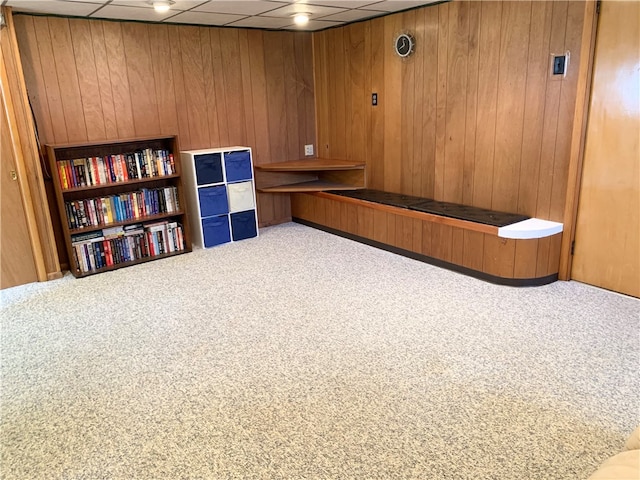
445	209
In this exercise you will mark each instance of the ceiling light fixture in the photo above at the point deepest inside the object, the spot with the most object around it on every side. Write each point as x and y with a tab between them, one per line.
162	6
301	18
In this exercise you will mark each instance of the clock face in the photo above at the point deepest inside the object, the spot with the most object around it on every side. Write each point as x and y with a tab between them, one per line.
404	45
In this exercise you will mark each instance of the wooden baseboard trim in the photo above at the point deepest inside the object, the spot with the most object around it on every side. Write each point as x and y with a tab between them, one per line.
511	282
54	276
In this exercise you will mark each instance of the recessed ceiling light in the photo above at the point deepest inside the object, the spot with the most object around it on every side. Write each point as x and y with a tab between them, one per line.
301	18
161	6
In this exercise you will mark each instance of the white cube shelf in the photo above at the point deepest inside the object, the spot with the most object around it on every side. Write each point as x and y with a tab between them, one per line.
221	195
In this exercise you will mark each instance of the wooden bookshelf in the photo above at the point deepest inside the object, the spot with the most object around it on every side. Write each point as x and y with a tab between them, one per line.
131	189
312	175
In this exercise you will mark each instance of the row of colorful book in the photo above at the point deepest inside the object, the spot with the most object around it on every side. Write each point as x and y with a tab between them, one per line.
93	212
92	171
115	245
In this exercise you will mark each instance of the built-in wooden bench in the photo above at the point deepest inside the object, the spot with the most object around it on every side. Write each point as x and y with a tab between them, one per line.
499	247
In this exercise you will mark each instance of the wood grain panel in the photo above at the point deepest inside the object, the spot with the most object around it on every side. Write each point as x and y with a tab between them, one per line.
534	109
471	110
32	70
66	70
122	105
376	164
416	236
102	80
607	240
491	15
407	141
441	101
455	68
473	116
87	78
17	263
365	222
510	113
160	51
194	88
473	250
50	82
392	103
499	256
233	86
144	105
526	258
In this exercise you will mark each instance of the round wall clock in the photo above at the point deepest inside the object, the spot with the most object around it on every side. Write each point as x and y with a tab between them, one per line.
404	45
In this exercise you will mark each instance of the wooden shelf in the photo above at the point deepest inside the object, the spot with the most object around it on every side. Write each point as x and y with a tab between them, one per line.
110	185
82	256
147	219
312	175
312	164
312	186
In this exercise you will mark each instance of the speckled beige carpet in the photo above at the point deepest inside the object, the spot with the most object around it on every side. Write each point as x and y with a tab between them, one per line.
302	355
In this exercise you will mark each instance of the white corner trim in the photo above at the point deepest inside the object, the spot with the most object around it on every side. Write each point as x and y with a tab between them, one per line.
530	228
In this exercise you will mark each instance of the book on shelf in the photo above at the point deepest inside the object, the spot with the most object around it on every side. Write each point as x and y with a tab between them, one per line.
121	244
97	211
116	168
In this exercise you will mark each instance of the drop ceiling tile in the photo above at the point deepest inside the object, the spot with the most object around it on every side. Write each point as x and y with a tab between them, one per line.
313	25
292	9
121	12
243	7
54	7
395	5
204	18
351	15
341	3
178	5
262	22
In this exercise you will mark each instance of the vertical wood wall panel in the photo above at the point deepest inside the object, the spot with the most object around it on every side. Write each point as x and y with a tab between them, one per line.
142	87
87	78
116	59
473	116
104	80
93	80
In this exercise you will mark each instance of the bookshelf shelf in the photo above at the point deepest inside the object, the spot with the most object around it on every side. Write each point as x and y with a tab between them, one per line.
146	219
100	190
109	186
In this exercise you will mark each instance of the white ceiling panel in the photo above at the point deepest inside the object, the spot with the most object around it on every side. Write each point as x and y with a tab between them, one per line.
314	10
245	8
266	14
177	5
351	15
121	12
55	7
314	25
395	5
262	22
204	18
340	3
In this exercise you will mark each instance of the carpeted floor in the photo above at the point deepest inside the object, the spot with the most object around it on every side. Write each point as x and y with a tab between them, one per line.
300	355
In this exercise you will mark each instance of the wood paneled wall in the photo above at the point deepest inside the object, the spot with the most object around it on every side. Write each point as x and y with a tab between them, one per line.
472	117
92	80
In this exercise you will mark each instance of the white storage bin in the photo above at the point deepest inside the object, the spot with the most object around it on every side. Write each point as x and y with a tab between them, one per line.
241	196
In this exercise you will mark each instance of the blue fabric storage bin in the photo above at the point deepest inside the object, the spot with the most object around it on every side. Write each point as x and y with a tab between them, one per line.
243	225
215	230
237	166
213	200
208	168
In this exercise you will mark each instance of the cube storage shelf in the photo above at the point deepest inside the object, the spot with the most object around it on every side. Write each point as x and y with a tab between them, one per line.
121	202
220	189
